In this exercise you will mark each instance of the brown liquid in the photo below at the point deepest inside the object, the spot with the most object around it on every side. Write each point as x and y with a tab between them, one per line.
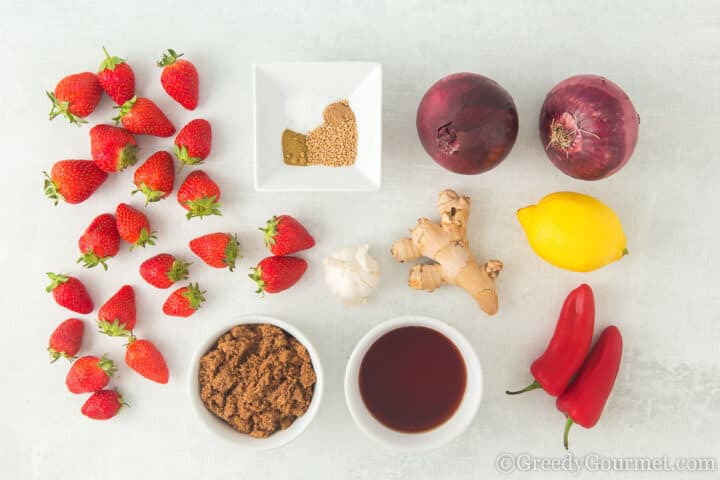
412	379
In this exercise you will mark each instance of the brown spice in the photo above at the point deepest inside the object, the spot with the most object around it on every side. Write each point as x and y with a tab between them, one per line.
258	379
294	146
334	143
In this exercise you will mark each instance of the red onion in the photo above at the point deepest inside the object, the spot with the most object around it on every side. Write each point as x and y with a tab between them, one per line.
467	123
588	126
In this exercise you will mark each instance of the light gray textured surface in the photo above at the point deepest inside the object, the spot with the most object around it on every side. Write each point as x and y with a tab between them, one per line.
663	295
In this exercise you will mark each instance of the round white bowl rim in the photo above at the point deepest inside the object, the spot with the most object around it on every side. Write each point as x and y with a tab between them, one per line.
218	426
435	437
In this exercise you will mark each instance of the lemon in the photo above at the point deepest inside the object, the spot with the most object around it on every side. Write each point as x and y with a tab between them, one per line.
573	231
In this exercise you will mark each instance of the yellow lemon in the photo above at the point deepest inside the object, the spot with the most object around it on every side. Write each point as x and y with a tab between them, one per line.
573	231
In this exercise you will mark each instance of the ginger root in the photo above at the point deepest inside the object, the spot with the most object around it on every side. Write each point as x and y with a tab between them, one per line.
447	245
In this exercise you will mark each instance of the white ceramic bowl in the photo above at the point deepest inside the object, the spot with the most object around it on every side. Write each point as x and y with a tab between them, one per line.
223	430
293	95
438	436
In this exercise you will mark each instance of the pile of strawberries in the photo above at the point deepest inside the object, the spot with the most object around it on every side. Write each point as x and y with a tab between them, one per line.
113	149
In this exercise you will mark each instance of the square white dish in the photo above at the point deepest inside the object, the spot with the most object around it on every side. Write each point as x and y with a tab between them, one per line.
293	95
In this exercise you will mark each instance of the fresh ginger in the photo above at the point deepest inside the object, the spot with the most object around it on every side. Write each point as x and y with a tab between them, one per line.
447	245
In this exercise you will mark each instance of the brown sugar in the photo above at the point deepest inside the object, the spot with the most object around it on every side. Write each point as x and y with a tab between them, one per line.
257	378
334	143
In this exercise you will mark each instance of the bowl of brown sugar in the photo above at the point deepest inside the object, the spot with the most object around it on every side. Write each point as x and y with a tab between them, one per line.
257	383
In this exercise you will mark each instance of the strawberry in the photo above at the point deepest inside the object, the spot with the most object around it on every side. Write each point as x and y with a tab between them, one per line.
180	79
103	405
89	374
275	274
75	97
69	292
199	195
113	148
144	357
184	301
192	144
218	250
116	318
140	115
73	180
285	235
66	339
117	78
163	270
99	242
133	226
156	177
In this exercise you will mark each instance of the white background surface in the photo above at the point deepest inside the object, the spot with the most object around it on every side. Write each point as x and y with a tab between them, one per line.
663	295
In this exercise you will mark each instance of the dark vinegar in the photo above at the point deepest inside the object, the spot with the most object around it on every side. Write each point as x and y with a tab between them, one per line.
412	379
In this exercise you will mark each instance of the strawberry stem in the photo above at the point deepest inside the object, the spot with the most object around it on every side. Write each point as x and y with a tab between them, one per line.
270	231
150	194
231	252
185	159
169	58
144	239
62	108
124	109
114	328
56	279
54	355
256	276
109	63
178	271
52	190
194	295
202	207
89	260
108	365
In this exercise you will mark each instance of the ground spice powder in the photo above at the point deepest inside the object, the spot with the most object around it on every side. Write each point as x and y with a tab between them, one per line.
294	147
258	379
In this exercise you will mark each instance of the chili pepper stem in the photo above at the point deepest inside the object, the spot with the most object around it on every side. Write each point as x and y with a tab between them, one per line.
568	424
532	386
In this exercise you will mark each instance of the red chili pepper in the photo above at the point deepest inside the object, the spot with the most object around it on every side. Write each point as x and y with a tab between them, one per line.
585	398
568	346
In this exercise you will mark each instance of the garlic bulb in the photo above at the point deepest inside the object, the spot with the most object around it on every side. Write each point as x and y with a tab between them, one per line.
352	274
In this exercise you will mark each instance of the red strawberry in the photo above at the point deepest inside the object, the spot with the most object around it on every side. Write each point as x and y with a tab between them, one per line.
156	177
112	148
275	274
117	316
141	115
102	405
199	195
89	374
285	235
218	250
66	339
99	242
163	270
116	78
144	357
73	180
75	96
133	226
69	292
184	301
192	144
180	79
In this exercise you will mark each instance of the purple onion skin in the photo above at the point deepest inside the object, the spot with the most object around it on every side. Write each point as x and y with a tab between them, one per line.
588	126
467	123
